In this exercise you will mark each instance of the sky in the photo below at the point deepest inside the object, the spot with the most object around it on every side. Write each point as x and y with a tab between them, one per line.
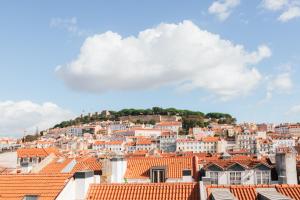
63	58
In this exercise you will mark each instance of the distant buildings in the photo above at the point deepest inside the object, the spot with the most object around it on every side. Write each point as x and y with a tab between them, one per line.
126	160
291	129
205	144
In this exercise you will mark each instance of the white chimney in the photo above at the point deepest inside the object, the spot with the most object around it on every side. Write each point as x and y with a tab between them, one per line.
286	167
118	169
187	175
82	181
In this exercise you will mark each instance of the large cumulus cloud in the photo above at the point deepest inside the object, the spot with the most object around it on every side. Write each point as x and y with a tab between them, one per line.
182	55
19	116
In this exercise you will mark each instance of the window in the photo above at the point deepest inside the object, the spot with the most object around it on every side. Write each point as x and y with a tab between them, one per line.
214	177
235	178
158	175
31	197
262	177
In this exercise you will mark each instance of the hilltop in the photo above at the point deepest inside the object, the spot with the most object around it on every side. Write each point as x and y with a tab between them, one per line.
189	118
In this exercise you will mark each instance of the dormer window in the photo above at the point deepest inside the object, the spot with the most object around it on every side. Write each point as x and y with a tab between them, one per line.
235	178
263	177
31	197
214	178
158	174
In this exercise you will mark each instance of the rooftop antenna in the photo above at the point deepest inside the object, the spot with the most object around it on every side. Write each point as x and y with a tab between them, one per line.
24	134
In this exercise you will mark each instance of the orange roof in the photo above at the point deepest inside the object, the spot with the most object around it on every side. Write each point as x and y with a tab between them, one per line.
144	142
47	187
140	167
114	143
169	124
36	152
140	153
292	191
248	192
130	144
87	164
167	133
151	191
99	143
56	166
210	139
248	164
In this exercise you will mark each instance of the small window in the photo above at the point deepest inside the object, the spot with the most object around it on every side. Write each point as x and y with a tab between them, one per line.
214	177
235	178
31	197
158	175
262	177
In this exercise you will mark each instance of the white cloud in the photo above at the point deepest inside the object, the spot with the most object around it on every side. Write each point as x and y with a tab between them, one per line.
69	24
181	54
275	4
280	84
223	8
290	9
17	117
289	14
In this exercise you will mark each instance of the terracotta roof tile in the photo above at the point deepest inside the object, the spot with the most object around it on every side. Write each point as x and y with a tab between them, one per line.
210	139
292	191
36	152
144	142
149	191
248	192
47	187
87	164
169	124
248	164
114	143
140	167
56	166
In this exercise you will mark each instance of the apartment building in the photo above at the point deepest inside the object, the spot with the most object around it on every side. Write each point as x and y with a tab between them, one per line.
228	172
205	144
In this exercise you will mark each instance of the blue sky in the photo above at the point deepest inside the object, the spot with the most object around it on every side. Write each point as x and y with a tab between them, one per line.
38	36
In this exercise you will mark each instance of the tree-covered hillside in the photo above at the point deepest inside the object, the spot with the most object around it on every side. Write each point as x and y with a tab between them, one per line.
189	118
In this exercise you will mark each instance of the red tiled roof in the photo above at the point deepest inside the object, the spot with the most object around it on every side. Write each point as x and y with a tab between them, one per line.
292	191
47	187
36	152
144	142
244	163
169	124
56	166
248	192
140	167
137	153
149	191
87	164
210	139
99	143
114	143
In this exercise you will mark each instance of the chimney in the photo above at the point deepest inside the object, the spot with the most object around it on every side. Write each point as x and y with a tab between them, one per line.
82	180
113	170
187	175
286	166
118	169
